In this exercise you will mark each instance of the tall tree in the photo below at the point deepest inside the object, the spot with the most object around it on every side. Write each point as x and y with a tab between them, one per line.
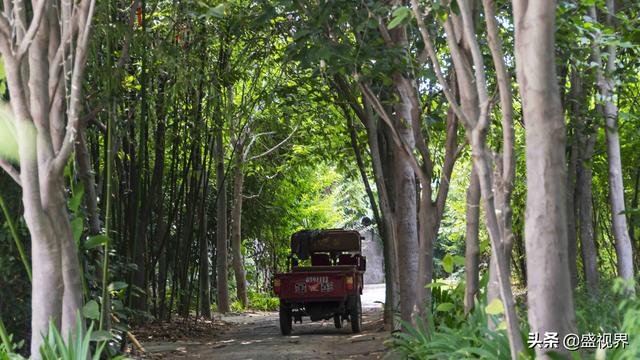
550	296
476	126
45	60
606	86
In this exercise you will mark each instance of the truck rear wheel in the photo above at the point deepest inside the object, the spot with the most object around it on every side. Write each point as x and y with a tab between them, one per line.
285	319
337	320
355	315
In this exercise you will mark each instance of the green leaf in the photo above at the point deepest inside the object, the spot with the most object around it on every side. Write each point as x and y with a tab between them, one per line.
76	199
458	260
495	307
444	307
447	263
100	335
96	240
484	245
118	285
91	310
435	285
8	136
77	225
398	15
217	12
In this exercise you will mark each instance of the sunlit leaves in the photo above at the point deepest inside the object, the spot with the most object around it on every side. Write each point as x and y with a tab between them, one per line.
398	16
495	307
8	135
449	261
445	307
96	240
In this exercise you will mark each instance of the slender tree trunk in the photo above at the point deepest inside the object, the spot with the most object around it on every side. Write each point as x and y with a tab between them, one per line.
353	135
550	296
236	227
583	145
493	288
572	208
472	250
587	239
624	250
388	219
469	105
221	227
89	183
205	284
634	217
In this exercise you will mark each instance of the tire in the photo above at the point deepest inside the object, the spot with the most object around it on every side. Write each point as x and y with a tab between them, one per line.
285	319
337	320
355	315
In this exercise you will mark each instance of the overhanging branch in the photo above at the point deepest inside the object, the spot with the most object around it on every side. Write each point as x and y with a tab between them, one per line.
11	170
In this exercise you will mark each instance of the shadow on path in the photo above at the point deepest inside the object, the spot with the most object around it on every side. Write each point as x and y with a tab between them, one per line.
257	336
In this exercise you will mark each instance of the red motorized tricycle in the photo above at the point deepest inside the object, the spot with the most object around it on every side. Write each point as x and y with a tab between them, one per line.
330	284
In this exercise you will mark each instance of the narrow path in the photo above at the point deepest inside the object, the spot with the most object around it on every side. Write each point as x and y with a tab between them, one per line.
257	336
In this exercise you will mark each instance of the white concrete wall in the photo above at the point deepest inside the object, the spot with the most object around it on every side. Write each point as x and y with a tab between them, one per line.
372	249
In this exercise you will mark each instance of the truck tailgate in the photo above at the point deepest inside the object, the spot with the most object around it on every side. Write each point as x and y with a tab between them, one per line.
310	285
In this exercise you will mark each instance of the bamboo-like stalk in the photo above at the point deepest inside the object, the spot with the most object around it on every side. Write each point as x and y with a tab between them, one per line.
107	220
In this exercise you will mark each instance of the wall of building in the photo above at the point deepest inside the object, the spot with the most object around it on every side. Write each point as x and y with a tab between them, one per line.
372	249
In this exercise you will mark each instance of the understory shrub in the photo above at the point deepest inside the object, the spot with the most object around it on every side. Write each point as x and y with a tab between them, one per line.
470	339
451	336
263	301
81	345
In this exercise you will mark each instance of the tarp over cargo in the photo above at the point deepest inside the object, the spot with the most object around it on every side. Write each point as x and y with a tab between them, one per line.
305	242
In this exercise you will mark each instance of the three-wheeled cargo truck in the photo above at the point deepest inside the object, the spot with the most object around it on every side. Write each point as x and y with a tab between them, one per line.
324	279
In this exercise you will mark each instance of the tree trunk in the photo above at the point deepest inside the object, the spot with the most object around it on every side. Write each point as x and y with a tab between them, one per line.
236	227
624	250
43	153
221	228
89	183
583	145
550	296
472	249
587	239
56	209
406	209
572	208
205	284
634	217
46	257
388	231
469	104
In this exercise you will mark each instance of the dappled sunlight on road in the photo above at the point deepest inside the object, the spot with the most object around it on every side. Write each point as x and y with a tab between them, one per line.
257	336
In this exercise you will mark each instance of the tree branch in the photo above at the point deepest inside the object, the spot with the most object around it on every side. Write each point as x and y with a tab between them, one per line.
450	157
12	171
38	14
277	145
73	126
5	28
428	45
396	137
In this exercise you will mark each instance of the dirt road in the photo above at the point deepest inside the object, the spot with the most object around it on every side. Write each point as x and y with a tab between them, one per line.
257	336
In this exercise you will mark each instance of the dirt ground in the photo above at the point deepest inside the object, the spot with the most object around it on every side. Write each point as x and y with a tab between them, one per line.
256	336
